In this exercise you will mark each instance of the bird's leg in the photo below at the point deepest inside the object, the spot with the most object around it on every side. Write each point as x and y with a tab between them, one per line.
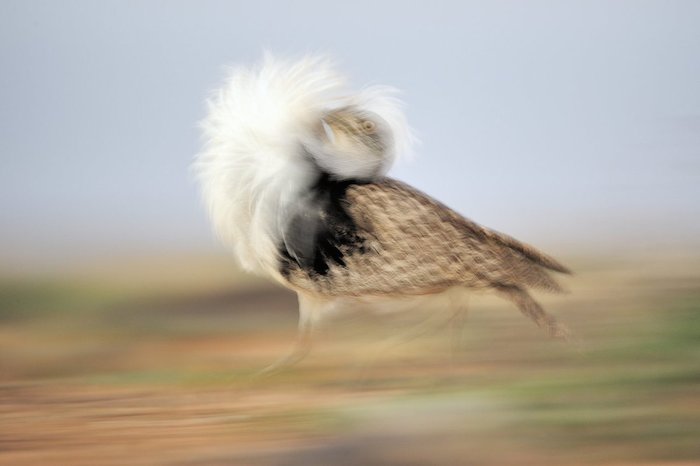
457	325
308	318
433	322
301	347
531	308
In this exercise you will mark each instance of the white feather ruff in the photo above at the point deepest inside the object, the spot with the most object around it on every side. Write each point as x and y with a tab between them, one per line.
252	168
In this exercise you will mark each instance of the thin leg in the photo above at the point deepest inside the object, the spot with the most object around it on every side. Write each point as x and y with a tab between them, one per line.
531	308
432	323
309	315
457	325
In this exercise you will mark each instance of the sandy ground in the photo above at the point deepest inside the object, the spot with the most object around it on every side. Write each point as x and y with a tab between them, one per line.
158	367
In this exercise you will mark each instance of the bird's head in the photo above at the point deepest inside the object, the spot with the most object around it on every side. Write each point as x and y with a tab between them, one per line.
268	133
351	142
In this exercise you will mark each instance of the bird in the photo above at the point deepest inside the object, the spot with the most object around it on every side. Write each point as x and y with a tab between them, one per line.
293	173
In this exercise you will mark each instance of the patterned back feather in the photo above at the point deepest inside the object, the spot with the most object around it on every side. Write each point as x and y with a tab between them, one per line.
402	242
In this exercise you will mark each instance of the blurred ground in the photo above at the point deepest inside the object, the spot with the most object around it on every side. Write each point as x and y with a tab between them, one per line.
152	362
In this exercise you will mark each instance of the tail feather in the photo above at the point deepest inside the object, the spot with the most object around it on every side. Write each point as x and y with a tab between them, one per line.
531	308
525	250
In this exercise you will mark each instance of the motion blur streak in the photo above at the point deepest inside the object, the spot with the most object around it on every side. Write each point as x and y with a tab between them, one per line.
127	335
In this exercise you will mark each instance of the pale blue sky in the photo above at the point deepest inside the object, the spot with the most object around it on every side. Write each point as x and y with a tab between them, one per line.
566	122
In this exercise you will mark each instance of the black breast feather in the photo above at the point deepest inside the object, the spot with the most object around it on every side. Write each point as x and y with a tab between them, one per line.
320	233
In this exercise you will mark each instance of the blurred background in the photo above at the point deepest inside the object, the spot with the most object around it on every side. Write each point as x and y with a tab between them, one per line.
128	334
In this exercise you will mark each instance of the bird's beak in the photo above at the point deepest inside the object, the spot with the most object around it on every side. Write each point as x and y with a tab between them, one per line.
329	131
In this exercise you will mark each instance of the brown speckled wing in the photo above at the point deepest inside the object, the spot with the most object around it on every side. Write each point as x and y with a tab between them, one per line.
416	245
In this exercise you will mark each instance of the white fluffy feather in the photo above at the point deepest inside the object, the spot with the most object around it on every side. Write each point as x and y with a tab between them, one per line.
252	168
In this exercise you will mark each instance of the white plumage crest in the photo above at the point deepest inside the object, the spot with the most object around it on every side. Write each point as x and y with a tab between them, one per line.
253	168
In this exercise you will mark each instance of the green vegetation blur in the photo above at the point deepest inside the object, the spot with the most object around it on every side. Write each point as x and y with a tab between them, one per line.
155	362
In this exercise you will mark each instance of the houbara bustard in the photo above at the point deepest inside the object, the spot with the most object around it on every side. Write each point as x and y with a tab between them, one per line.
293	175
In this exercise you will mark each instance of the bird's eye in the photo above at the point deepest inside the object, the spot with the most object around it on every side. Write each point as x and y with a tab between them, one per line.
369	126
